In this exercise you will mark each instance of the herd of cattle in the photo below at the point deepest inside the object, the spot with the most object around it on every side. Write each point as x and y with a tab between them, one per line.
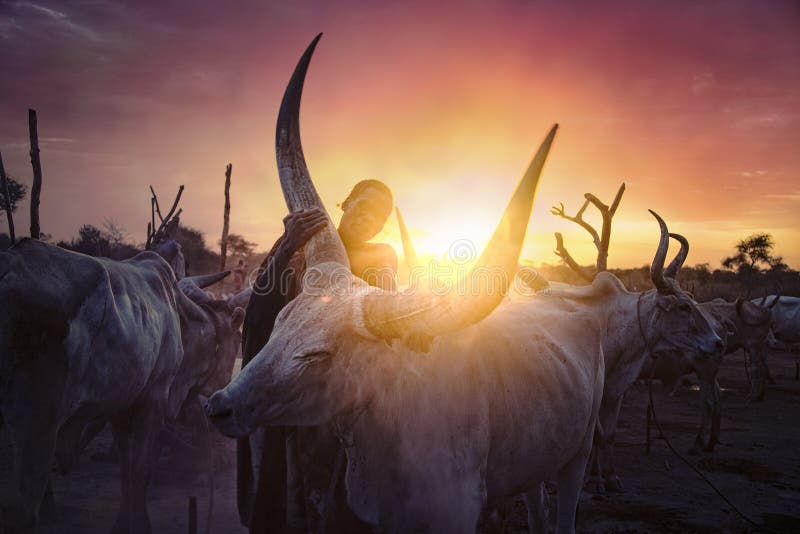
514	390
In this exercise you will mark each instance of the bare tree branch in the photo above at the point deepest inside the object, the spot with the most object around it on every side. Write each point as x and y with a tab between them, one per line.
578	219
153	209
615	204
223	243
168	223
7	198
601	241
158	208
605	237
562	253
175	204
36	188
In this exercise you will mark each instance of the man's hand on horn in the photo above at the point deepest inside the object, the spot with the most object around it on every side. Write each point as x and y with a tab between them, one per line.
300	226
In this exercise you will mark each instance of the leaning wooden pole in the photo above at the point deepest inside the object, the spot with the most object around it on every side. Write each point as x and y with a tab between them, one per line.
223	243
192	515
7	200
36	188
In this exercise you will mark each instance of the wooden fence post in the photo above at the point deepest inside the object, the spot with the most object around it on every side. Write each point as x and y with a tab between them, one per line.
192	515
36	188
223	244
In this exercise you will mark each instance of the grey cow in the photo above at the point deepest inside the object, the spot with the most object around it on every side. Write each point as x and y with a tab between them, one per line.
86	340
636	326
741	325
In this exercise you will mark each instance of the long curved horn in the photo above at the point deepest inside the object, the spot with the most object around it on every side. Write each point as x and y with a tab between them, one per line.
657	267
390	316
204	280
190	289
408	246
298	189
680	257
240	299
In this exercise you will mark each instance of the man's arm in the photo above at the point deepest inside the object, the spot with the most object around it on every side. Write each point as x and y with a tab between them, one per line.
269	291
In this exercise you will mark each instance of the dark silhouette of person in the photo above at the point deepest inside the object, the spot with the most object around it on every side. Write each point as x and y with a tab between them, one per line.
239	274
290	479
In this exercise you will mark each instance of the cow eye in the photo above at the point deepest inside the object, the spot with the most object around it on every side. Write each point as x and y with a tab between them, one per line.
311	356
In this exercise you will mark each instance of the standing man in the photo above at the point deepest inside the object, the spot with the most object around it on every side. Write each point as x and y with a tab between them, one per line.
239	274
289	479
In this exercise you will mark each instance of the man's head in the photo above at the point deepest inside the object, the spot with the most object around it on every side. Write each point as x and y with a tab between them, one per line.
366	209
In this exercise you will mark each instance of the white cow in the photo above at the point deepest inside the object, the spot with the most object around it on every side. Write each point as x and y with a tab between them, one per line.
637	324
785	334
785	321
506	398
430	435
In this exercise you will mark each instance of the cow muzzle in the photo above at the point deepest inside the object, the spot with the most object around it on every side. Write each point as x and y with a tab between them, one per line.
221	412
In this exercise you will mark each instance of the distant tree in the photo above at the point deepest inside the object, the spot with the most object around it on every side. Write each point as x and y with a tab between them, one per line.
239	246
90	241
702	272
754	255
108	242
16	192
116	234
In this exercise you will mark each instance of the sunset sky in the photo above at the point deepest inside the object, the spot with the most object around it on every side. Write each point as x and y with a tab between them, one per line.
696	106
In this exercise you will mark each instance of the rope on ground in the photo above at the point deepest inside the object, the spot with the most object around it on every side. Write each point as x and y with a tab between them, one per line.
694	468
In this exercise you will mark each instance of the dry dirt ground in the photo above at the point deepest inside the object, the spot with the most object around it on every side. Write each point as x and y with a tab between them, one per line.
756	466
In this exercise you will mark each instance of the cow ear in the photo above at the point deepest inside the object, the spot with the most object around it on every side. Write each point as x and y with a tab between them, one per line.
237	318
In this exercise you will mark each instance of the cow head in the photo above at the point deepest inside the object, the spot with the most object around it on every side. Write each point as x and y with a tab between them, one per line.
216	353
327	339
753	318
674	320
172	252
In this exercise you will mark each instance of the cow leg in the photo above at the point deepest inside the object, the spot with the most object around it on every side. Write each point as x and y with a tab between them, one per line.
767	373
570	481
710	420
716	417
595	480
33	443
705	416
48	509
458	512
73	436
536	503
760	374
136	433
755	378
604	449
